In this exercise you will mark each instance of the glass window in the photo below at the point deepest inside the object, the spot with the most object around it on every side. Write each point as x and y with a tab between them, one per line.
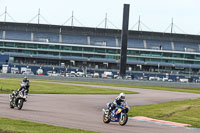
43	46
117	57
156	60
88	49
28	52
167	54
111	51
54	47
99	56
118	51
20	45
177	55
131	52
156	54
1	44
197	57
65	54
66	48
110	56
145	53
42	52
31	45
76	49
7	44
9	50
87	55
76	54
99	50
189	56
53	53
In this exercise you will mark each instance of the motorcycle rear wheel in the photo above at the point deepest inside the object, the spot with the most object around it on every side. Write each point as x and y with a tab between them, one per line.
123	120
105	119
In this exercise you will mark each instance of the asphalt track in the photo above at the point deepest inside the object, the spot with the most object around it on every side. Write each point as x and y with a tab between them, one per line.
85	111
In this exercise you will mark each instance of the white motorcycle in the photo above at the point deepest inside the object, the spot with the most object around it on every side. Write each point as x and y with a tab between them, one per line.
17	98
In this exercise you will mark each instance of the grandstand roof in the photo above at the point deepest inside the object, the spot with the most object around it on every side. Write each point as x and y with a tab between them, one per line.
97	31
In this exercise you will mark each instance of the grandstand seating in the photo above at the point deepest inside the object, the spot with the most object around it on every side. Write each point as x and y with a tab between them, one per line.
183	65
158	45
18	35
74	39
103	60
103	41
187	47
135	43
46	37
99	41
135	62
74	58
159	63
195	66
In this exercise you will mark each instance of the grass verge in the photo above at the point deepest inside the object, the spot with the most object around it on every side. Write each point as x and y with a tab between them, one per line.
7	86
142	86
186	111
19	126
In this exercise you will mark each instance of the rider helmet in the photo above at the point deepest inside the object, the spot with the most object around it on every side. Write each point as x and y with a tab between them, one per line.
25	79
122	96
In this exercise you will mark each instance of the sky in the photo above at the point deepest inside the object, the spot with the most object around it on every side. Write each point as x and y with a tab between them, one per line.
155	15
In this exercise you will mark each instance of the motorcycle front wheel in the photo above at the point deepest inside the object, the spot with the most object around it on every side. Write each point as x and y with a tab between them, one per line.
123	119
105	118
20	104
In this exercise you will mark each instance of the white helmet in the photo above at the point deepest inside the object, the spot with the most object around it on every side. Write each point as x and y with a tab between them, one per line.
121	96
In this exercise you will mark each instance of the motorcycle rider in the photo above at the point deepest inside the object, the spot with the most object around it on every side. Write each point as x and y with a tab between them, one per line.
117	102
24	84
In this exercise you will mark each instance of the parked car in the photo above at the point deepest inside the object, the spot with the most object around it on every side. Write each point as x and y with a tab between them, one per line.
80	74
107	75
129	77
14	70
170	80
96	75
184	80
28	73
89	75
52	73
72	74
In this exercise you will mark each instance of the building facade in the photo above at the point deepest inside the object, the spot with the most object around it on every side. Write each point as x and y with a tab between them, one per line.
97	48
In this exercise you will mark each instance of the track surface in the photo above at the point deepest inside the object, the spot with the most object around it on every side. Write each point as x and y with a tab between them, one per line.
85	111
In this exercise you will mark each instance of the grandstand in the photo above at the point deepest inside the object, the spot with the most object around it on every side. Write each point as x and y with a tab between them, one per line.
41	44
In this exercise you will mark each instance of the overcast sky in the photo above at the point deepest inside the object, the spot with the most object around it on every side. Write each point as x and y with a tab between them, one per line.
155	14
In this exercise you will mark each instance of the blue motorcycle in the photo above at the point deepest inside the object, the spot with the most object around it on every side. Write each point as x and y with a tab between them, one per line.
119	114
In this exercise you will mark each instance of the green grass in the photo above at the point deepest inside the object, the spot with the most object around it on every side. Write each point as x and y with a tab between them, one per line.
19	126
187	111
7	86
142	86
